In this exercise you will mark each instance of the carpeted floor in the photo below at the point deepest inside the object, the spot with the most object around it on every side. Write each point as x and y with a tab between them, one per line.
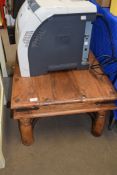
63	146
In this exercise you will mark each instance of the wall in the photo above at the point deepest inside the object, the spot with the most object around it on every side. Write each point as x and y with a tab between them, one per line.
10	50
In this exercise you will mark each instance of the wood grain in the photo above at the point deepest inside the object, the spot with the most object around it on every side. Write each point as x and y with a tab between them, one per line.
26	131
63	109
76	86
99	123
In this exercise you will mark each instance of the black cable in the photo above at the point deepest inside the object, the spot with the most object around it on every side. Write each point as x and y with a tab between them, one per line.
107	59
98	73
110	59
94	67
109	62
98	65
109	74
105	62
108	56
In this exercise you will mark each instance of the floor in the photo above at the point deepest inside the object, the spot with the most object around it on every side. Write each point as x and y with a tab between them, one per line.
63	146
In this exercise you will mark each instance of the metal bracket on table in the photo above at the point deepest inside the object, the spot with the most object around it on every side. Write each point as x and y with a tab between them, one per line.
24	109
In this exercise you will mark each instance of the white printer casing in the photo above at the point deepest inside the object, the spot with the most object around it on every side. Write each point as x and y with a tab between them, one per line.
34	13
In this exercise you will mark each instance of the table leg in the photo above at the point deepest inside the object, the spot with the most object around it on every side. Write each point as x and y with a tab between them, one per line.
98	123
26	131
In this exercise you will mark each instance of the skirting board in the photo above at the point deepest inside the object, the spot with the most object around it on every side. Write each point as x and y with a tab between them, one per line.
2	160
2	60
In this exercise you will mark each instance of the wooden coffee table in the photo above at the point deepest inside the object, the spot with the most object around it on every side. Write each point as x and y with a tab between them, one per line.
61	93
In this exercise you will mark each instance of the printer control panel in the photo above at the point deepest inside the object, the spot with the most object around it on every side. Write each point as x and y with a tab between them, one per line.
33	5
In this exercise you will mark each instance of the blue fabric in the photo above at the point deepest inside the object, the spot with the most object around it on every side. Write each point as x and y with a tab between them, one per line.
101	45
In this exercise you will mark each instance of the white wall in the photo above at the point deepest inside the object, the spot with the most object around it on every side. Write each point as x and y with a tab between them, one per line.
10	50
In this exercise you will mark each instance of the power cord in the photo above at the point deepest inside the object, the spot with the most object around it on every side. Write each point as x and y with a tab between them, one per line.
105	60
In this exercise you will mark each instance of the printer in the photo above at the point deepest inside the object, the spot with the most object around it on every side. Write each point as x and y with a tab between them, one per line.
53	35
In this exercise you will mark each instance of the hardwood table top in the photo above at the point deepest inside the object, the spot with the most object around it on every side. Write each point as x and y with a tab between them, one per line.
65	87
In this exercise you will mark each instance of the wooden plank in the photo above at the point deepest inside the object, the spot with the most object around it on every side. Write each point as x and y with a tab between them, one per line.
64	87
43	84
93	88
62	109
61	88
24	93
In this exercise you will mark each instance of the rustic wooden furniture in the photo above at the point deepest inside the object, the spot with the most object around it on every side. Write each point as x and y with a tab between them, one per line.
61	93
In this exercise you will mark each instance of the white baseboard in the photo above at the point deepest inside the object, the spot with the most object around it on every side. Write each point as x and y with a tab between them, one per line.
2	60
2	160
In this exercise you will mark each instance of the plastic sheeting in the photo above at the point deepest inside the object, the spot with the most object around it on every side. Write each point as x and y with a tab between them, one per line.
102	45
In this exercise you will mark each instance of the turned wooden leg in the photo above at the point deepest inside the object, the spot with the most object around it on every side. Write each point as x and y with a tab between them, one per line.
98	123
26	131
